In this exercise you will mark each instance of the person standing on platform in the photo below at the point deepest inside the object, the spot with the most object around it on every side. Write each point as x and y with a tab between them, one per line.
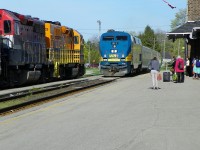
155	68
188	70
194	69
173	65
198	68
179	69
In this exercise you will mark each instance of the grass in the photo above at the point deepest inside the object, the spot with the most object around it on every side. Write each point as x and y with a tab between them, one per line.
92	72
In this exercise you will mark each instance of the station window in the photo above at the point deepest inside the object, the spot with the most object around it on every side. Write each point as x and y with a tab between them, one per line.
7	26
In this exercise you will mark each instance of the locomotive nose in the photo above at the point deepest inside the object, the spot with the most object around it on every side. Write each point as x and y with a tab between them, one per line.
114	44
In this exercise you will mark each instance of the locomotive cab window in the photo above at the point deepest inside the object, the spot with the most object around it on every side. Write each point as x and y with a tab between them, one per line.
76	41
121	38
108	38
16	28
7	26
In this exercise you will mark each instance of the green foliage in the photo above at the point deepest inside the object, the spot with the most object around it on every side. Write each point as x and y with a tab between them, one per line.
149	38
159	41
180	19
91	52
177	47
92	72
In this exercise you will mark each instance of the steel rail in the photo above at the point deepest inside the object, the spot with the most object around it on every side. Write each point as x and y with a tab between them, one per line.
51	92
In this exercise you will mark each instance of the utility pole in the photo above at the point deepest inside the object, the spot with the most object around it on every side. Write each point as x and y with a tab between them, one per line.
89	54
154	43
179	45
164	48
99	22
164	54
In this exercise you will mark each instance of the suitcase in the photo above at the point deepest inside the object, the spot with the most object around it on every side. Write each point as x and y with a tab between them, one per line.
166	76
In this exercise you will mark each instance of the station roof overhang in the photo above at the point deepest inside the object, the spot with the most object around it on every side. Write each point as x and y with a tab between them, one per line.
190	29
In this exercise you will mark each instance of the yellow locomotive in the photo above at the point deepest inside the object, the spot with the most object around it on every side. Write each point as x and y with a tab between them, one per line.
64	50
33	51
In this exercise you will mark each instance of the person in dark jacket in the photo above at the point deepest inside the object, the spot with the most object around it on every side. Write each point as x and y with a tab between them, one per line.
173	65
155	69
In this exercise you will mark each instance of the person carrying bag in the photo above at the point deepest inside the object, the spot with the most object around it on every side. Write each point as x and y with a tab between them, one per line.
179	69
155	69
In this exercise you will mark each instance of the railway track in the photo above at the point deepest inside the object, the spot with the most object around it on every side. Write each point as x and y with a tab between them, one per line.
13	100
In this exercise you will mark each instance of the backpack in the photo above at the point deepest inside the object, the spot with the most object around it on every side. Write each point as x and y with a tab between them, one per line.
180	65
197	63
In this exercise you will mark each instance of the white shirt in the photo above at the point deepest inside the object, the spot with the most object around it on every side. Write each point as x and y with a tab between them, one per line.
187	63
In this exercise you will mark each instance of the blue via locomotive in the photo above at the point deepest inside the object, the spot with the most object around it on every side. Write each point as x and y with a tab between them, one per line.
123	54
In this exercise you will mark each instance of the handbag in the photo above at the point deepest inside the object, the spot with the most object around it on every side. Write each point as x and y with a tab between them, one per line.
159	77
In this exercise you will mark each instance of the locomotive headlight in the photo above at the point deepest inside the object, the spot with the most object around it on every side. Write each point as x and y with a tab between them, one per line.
123	55
104	55
113	51
105	59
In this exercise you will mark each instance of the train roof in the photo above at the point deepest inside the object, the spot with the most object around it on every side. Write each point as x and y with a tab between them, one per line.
10	13
115	33
135	39
24	19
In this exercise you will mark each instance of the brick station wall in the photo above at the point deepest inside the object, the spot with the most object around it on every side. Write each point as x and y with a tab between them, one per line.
193	10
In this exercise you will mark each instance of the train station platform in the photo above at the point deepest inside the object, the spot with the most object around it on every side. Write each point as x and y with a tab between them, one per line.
123	115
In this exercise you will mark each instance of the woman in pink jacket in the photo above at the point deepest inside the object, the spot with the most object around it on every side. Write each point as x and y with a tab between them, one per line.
179	69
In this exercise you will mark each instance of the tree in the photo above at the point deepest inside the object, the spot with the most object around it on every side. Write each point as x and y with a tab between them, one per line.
161	40
149	38
180	19
91	51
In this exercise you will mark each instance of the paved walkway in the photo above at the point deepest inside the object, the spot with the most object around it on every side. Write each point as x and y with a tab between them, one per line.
124	115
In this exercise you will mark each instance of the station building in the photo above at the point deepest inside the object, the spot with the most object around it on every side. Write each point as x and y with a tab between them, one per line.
190	31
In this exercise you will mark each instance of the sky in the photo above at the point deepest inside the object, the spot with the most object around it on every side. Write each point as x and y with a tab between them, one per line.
82	15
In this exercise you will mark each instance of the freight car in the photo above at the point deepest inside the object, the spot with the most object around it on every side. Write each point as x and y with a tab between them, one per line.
33	51
123	54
